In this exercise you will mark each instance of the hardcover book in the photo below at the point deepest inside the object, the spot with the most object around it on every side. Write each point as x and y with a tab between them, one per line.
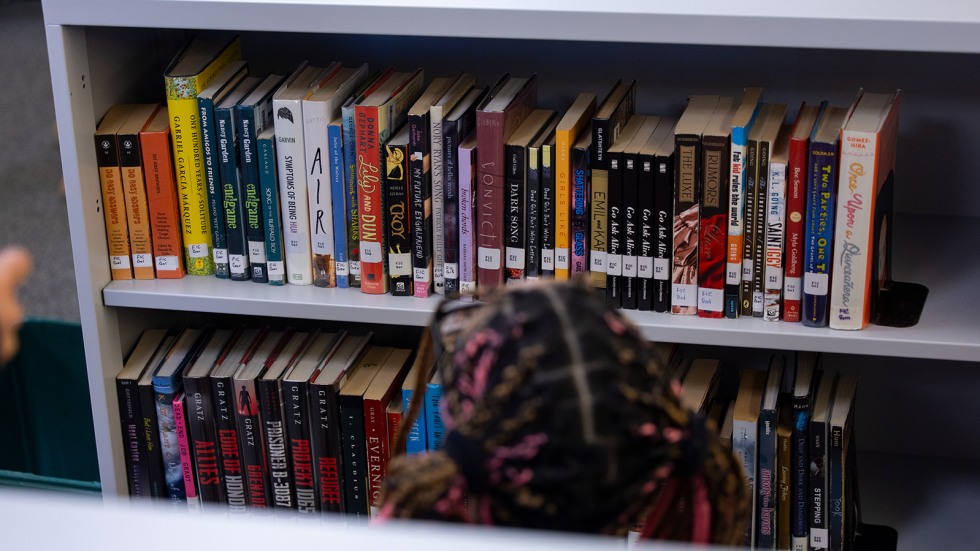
134	189
400	214
191	71
572	123
742	124
630	212
435	429
821	203
287	103
223	83
467	218
796	185
114	204
161	191
772	302
713	231
687	191
377	117
377	397
862	240
502	111
617	211
655	203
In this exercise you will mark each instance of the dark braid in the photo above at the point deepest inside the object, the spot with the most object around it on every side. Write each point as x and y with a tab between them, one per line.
559	416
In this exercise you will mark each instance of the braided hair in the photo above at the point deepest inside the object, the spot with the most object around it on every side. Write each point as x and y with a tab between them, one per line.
559	415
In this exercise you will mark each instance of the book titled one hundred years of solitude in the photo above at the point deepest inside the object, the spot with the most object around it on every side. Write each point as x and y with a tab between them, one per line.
113	203
713	233
862	241
134	189
575	121
190	72
161	196
510	101
377	116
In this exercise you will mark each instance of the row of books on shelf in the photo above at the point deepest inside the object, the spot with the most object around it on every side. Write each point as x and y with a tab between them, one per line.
792	427
336	176
266	419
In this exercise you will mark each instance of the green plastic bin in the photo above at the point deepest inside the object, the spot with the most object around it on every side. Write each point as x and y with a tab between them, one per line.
47	439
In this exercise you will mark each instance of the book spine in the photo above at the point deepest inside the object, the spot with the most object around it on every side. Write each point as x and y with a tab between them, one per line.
748	230
113	206
490	186
775	243
355	456
400	219
647	212
800	455
437	183
467	218
248	127
315	121
370	130
162	204
227	431
212	184
617	234
253	446
579	217
338	192
435	430
683	279
293	195
533	198
712	248
271	217
192	196
274	437
745	435
663	199
630	231
598	227
817	260
415	443
150	441
298	430
766	482
736	222
818	502
548	211
394	425
420	176
784	485
376	446
327	447
759	233
232	194
796	177
515	215
563	196
203	438
352	212
170	448
134	192
130	420
450	147
187	466
835	504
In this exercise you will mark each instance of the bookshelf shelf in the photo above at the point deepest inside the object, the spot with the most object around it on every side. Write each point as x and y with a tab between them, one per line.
103	52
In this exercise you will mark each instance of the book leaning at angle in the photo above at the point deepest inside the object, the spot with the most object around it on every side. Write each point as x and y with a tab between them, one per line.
184	447
134	189
572	123
113	202
377	397
190	72
862	241
745	437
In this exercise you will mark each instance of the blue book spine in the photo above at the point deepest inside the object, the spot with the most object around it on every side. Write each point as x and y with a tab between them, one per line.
766	481
350	176
252	208
211	159
817	255
417	436
271	215
231	194
433	417
341	201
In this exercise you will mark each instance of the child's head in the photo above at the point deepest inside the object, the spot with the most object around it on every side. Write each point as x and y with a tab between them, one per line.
559	415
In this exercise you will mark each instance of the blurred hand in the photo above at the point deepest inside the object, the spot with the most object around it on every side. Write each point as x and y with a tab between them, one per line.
15	266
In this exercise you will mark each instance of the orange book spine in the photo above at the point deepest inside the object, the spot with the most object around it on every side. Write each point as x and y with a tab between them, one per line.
163	210
113	206
371	211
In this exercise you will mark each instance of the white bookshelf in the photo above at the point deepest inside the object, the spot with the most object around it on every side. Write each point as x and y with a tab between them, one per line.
106	51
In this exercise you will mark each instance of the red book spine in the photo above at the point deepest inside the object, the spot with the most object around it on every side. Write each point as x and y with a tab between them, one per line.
376	443
489	198
795	229
371	211
713	233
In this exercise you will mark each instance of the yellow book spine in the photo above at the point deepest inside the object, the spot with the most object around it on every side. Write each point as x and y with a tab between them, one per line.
563	194
192	196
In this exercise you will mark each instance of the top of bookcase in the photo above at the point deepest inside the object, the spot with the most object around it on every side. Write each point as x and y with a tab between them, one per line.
899	25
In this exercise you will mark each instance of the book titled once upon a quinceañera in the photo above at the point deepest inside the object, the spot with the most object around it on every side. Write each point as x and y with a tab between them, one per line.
190	72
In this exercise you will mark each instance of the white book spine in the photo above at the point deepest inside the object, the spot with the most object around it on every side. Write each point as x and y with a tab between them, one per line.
315	121
736	212
775	239
437	158
294	202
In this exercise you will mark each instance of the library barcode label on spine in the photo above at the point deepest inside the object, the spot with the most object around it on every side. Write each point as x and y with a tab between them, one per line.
371	251
598	261
732	275
547	259
143	260
451	270
167	263
220	256
684	295
816	284
199	250
661	269
342	268
488	258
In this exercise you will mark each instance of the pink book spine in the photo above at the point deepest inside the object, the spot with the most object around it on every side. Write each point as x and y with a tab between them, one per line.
186	464
467	238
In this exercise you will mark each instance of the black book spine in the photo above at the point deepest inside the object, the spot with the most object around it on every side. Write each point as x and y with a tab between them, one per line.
253	446
150	444
450	217
580	219
533	199
514	209
748	233
548	205
399	219
131	420
663	200
252	204
648	218
204	441
616	225
819	502
355	456
297	410
232	195
631	227
421	213
759	231
327	447
277	453
227	430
